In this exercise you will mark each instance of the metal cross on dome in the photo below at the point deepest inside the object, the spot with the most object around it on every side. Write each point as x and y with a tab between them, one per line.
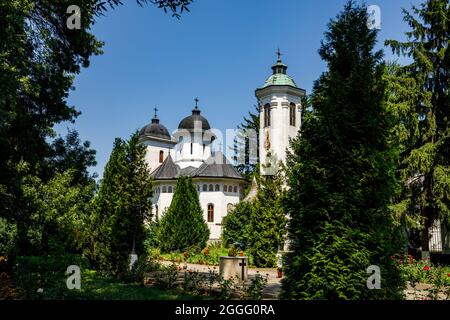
279	54
156	110
196	102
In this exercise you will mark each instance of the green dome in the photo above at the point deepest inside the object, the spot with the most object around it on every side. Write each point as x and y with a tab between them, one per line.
279	79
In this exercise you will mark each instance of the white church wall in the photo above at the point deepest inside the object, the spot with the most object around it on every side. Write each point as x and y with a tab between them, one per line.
280	129
153	148
220	199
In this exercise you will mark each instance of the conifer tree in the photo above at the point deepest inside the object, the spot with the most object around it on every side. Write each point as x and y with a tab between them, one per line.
183	227
341	174
123	203
423	117
267	221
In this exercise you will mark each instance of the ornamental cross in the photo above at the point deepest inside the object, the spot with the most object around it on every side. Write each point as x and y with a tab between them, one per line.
279	54
243	264
196	102
156	110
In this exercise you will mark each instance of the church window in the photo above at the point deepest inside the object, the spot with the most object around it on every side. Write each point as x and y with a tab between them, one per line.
211	187
230	189
217	187
225	188
198	188
230	207
235	189
210	212
192	148
205	187
267	115
204	146
292	111
170	189
156	212
161	156
164	189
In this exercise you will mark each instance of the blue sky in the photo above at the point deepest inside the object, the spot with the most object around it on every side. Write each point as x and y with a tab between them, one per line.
220	52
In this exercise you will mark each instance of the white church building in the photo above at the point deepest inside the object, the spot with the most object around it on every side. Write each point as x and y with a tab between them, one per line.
189	151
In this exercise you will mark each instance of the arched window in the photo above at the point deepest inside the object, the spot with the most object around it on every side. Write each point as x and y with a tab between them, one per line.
292	114
164	189
210	212
192	148
156	212
225	188
198	188
230	189
161	156
169	189
217	187
230	207
267	115
235	189
205	187
211	187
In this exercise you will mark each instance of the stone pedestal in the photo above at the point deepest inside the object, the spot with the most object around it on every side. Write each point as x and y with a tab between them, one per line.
234	267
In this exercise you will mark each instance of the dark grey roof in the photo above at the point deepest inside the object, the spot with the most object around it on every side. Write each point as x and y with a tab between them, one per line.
167	170
194	121
155	129
215	166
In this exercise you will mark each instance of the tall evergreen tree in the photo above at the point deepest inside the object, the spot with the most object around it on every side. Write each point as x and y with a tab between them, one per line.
122	205
341	174
246	144
183	227
424	117
267	221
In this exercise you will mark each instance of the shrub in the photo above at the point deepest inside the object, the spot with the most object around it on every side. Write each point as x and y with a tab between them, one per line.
183	226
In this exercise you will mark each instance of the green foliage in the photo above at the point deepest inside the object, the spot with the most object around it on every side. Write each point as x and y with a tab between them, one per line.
341	175
122	205
59	212
256	287
247	137
420	98
183	227
44	277
8	237
268	222
259	225
237	224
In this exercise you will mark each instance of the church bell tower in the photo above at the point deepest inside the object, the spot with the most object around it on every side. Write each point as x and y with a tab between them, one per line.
280	107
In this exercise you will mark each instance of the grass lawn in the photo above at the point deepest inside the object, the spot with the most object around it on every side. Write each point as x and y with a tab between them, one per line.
94	287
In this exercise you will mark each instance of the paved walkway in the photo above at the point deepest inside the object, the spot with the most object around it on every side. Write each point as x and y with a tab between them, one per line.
271	291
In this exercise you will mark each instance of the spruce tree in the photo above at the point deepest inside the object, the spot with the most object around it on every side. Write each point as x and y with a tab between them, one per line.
267	222
424	117
237	225
341	174
183	227
123	203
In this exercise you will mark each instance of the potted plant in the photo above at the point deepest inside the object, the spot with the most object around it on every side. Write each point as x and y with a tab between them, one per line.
232	252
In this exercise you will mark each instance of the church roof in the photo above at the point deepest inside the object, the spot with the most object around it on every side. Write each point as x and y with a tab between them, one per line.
194	121
279	75
216	166
155	129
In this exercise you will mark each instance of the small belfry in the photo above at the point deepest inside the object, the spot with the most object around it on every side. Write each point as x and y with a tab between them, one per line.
280	109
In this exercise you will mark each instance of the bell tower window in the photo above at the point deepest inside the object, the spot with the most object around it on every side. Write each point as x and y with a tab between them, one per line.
161	156
292	114
267	115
